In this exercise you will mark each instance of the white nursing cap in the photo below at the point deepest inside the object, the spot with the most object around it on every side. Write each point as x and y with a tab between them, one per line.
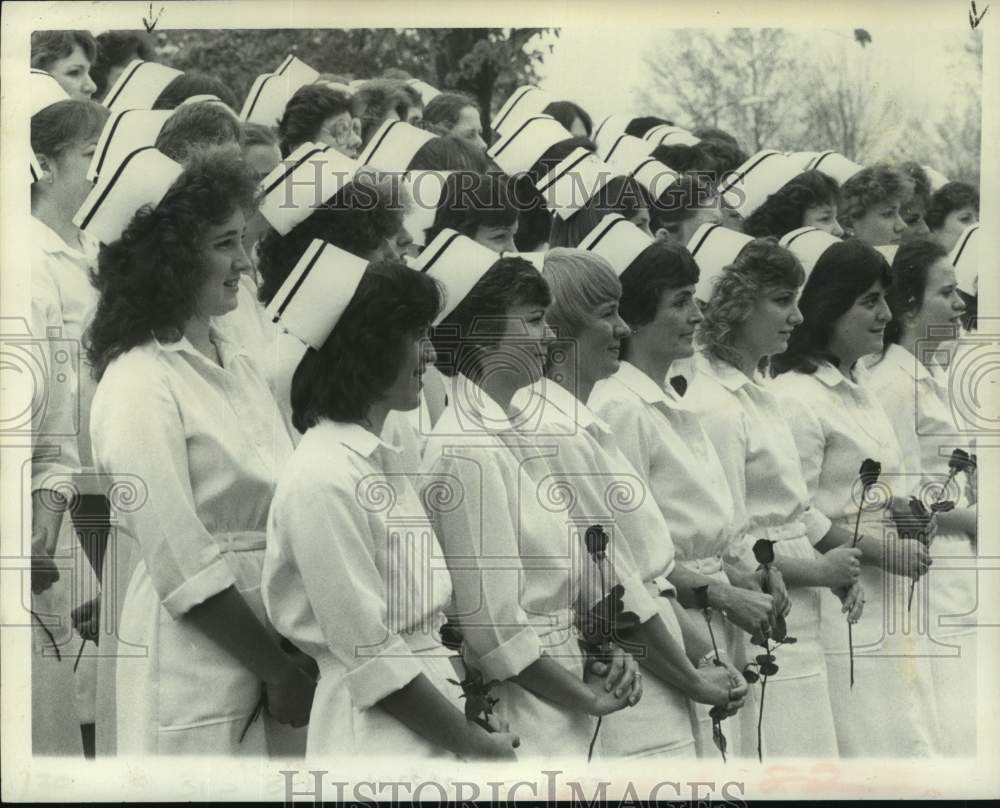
139	85
713	248
616	240
315	295
458	263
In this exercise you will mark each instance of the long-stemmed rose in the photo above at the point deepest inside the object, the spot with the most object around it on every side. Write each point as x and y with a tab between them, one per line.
597	630
717	713
869	473
765	664
925	521
958	462
606	619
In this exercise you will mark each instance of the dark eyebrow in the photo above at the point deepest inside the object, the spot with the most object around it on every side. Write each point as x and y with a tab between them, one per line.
227	234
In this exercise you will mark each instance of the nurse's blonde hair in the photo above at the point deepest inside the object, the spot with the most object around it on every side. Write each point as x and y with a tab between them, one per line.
580	282
760	267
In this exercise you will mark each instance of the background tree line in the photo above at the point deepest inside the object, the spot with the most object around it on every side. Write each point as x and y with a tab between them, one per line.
770	87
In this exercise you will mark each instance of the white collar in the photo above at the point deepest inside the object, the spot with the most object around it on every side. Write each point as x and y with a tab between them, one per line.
559	398
227	347
730	377
897	356
469	400
647	389
354	436
51	243
831	376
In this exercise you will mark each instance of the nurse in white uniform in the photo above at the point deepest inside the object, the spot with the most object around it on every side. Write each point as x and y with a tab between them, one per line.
925	302
751	313
349	574
663	439
606	489
522	577
316	194
182	414
838	423
63	136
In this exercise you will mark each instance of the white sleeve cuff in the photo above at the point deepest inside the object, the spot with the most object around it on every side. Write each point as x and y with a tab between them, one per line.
210	581
512	656
382	673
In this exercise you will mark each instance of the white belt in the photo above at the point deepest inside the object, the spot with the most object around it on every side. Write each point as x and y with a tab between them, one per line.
711	565
793	530
238	541
419	641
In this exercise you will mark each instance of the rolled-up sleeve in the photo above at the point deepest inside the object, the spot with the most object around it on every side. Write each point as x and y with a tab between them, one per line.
139	440
480	541
328	538
817	524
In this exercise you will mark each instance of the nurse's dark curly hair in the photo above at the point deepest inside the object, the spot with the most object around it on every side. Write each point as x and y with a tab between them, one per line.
364	353
783	210
871	186
149	279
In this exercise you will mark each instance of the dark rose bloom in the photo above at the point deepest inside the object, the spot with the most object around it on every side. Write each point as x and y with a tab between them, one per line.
763	551
961	461
870	470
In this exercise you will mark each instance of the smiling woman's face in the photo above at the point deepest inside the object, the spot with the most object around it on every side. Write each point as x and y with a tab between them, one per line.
774	316
224	260
598	341
670	334
860	330
520	352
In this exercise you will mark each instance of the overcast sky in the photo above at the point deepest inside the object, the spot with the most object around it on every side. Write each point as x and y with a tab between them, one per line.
601	69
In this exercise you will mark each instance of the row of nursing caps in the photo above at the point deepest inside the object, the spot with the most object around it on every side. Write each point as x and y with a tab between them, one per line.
749	186
714	247
809	243
614	126
313	174
572	183
131	129
320	287
630	156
